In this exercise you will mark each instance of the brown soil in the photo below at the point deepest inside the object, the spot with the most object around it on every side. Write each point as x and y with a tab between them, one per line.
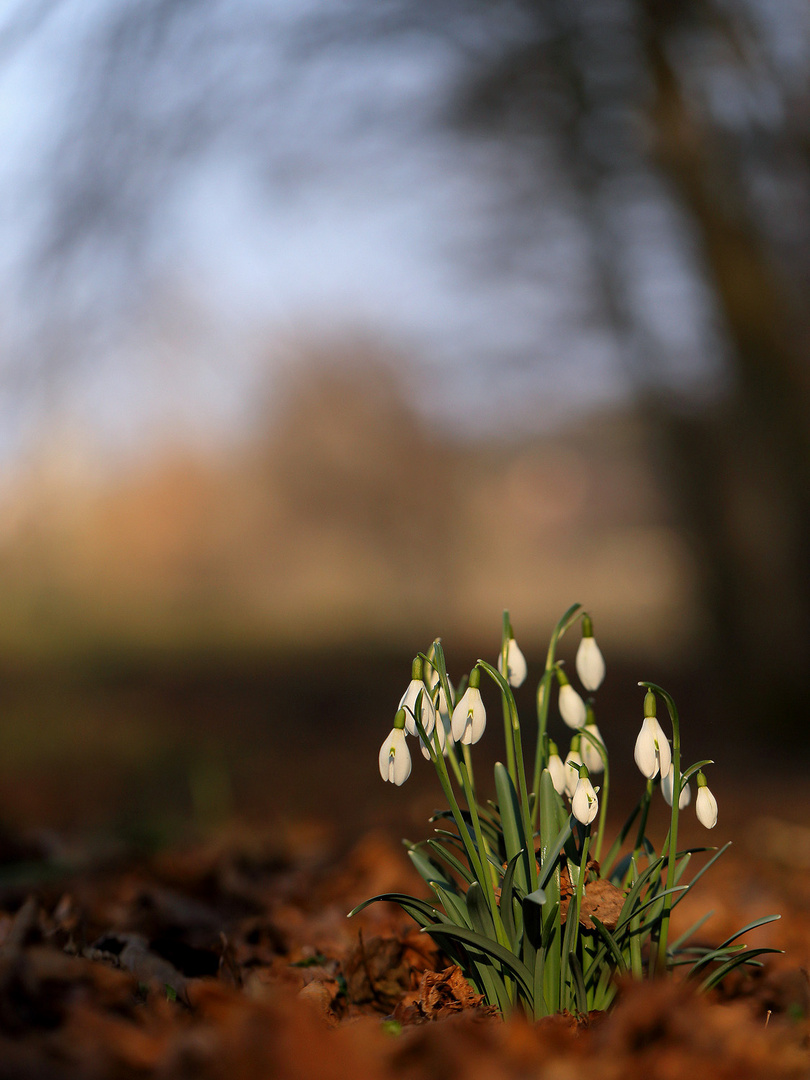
236	959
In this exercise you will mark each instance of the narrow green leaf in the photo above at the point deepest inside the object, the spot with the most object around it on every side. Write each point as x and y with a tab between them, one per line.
612	945
452	861
741	958
507	900
430	870
511	821
491	948
580	996
409	904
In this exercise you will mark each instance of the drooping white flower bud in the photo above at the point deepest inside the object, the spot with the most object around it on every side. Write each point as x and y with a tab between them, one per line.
395	757
652	752
705	804
591	757
442	727
590	663
427	713
584	805
573	762
556	768
515	664
469	716
571	705
668	789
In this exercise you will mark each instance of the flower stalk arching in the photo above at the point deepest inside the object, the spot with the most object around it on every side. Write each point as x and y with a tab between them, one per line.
661	961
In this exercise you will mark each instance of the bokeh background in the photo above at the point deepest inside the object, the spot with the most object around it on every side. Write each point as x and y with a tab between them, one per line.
327	328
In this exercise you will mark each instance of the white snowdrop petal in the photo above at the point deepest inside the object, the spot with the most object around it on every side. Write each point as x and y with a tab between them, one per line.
706	808
557	772
645	753
395	758
572	707
590	754
515	664
572	764
590	664
408	702
469	717
668	789
584	805
664	751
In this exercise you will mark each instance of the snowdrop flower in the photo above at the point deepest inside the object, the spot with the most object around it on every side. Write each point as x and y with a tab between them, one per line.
668	789
591	757
584	805
573	763
427	713
395	757
652	751
571	705
556	768
443	727
469	716
589	662
515	664
705	804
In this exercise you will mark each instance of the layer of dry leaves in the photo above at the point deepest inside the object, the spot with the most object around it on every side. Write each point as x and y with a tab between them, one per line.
237	960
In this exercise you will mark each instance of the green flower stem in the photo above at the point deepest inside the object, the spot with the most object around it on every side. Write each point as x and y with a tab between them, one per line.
541	752
571	935
518	771
438	662
661	964
604	793
635	937
507	712
543	697
646	799
488	874
475	856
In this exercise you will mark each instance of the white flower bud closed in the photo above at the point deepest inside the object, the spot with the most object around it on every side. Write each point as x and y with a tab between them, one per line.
705	805
590	754
557	773
590	664
395	758
572	707
515	664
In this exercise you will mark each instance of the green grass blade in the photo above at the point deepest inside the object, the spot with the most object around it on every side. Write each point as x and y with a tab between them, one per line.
612	945
490	948
419	910
452	860
741	958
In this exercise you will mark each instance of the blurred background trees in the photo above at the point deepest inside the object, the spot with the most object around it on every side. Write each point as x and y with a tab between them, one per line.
549	339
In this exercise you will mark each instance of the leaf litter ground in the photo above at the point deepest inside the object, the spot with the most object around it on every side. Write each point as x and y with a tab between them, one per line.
235	958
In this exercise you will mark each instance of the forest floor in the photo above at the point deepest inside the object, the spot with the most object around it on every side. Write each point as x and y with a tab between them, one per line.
235	958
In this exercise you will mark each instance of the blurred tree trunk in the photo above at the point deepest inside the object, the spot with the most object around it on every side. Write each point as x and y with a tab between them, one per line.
740	472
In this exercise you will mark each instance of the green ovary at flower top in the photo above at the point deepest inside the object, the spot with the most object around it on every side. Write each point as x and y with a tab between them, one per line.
496	907
417	690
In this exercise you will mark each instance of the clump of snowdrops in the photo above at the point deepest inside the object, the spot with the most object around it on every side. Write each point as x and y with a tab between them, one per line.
539	911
